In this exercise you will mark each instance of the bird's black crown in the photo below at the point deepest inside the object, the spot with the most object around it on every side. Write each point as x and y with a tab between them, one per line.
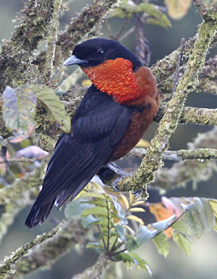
96	51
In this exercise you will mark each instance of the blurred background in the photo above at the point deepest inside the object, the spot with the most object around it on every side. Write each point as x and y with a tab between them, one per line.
202	262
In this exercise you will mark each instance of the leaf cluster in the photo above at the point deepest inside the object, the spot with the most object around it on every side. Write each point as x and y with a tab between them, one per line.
119	231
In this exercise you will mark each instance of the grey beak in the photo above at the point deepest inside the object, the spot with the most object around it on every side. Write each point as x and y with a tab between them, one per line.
73	60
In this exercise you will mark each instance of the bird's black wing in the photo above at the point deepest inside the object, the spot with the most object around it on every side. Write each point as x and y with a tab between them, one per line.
97	125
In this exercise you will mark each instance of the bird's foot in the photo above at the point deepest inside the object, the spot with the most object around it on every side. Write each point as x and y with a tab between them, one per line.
111	174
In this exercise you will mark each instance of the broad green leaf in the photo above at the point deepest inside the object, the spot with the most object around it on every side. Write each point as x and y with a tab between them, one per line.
141	263
162	244
53	105
96	210
144	235
131	257
94	195
155	15
125	8
98	202
213	204
119	217
206	213
183	241
19	111
192	219
95	246
89	221
215	226
181	227
164	224
109	234
75	208
121	232
131	244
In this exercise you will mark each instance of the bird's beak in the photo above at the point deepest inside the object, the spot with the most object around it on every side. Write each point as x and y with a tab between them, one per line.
73	60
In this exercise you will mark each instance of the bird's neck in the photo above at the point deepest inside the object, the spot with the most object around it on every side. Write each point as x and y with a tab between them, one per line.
116	78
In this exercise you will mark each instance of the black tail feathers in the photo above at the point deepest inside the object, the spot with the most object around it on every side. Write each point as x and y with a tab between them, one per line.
38	214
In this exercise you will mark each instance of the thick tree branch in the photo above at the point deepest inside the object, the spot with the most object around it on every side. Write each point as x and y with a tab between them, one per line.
16	53
91	16
168	124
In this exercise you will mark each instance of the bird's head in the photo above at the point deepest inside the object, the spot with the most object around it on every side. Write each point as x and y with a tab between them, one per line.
94	52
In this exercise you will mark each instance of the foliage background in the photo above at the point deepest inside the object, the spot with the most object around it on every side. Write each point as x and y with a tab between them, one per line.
202	262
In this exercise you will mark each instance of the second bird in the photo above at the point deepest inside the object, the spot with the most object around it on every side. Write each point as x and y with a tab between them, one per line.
110	120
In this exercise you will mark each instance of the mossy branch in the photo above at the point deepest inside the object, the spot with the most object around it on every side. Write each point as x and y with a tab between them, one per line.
180	155
16	53
47	252
7	267
168	124
80	26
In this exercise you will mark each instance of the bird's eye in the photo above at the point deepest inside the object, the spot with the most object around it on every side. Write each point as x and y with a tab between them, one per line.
101	51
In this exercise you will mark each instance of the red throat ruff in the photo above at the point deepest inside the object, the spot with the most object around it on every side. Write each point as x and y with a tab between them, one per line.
116	78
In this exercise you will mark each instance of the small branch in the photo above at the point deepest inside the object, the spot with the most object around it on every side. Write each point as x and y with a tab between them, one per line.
42	256
200	116
19	160
5	268
51	42
192	170
179	155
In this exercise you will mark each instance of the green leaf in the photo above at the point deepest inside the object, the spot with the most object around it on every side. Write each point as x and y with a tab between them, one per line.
98	202
75	208
213	204
19	111
215	226
181	227
53	105
155	15
192	219
162	244
131	244
125	8
96	210
144	235
95	246
121	232
131	257
90	221
183	241
119	217
206	213
96	195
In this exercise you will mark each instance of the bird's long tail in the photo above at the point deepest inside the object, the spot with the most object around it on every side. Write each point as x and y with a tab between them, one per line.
38	214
